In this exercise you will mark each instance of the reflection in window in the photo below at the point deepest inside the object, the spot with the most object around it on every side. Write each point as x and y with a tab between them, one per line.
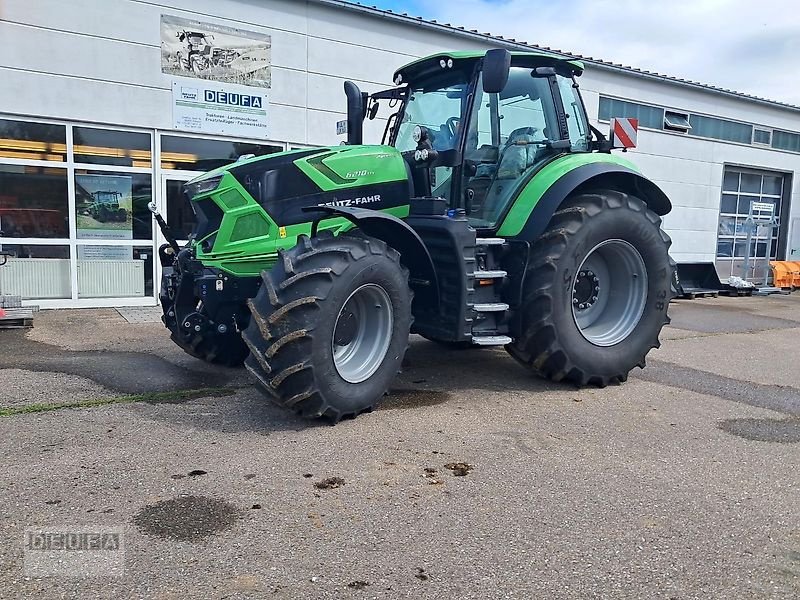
113	205
33	202
111	147
115	271
32	141
180	216
197	154
35	272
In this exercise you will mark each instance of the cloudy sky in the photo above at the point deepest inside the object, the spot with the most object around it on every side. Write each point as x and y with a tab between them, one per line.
745	45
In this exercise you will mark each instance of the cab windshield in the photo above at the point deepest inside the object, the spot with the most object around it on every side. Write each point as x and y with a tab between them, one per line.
437	104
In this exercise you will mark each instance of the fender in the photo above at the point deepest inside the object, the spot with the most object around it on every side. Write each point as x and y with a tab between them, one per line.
592	175
414	254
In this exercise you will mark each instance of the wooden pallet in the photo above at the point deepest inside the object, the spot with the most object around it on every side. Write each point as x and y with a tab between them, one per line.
692	294
736	292
14	318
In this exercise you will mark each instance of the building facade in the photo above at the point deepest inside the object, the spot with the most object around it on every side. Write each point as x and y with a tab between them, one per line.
107	108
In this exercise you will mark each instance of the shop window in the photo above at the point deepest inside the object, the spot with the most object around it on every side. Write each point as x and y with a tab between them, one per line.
35	272
115	271
32	141
33	202
197	154
111	147
113	205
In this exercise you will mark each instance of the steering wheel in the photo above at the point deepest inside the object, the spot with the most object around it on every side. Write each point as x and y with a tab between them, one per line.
452	125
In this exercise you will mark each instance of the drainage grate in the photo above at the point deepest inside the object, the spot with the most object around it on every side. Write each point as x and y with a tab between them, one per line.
141	314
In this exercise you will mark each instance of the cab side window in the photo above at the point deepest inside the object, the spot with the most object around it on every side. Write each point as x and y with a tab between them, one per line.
508	134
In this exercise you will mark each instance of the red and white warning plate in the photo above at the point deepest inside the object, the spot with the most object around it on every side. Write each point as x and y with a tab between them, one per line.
623	132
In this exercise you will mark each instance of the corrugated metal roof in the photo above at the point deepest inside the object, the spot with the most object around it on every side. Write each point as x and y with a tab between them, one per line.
516	44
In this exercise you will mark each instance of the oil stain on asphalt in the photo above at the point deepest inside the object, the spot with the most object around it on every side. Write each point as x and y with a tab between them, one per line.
186	518
400	399
125	372
782	431
774	397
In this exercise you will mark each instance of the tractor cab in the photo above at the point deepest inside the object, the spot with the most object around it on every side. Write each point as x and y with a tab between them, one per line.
475	127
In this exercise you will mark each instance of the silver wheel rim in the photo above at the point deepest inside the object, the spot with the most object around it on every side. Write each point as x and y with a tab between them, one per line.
362	333
609	293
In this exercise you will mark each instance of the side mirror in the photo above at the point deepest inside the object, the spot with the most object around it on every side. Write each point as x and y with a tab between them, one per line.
496	67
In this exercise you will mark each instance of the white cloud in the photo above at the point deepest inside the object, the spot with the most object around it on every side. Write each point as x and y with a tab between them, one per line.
747	46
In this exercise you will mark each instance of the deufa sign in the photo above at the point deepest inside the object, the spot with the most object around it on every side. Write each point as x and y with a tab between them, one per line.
623	132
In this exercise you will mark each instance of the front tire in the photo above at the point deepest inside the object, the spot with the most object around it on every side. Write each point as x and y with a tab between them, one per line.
597	291
330	326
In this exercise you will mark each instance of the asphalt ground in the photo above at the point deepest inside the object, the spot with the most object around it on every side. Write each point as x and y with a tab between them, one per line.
473	479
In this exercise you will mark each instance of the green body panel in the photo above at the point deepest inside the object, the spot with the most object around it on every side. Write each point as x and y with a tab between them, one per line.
530	195
342	167
248	239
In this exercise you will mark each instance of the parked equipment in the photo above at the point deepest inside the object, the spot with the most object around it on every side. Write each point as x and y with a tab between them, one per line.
493	215
697	280
12	314
785	274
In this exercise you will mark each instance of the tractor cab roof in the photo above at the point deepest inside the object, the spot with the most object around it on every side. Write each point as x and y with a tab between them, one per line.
467	59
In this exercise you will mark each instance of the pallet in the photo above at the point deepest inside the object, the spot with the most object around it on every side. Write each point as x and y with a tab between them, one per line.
691	294
737	292
15	318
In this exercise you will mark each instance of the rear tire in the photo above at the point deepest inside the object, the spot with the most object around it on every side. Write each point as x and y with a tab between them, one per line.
617	235
330	326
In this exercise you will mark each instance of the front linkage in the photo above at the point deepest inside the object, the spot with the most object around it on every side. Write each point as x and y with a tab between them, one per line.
204	309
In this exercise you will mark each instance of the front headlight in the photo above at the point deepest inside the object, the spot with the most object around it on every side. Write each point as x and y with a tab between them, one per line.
202	187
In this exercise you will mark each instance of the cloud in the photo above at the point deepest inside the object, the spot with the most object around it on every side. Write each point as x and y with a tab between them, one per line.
747	46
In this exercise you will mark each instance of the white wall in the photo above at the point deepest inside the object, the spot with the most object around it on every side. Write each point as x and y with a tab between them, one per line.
690	169
99	61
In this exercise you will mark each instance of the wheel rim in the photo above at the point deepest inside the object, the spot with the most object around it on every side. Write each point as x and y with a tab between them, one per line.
362	333
609	293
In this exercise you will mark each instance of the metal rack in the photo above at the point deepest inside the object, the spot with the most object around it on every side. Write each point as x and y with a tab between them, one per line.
760	215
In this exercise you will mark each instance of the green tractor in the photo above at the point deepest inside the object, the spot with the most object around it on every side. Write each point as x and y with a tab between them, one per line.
492	215
105	207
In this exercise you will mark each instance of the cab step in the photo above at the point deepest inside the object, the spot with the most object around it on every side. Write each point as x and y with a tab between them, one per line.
490	274
491	340
491	307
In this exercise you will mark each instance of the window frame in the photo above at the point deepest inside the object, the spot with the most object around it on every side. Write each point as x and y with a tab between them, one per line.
677	121
70	166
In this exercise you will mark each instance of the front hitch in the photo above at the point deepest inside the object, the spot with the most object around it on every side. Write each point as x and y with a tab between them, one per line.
166	230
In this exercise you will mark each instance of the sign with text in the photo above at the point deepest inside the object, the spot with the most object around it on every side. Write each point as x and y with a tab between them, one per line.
219	109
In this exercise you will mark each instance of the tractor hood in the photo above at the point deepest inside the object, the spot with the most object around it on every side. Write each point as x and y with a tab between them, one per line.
266	202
